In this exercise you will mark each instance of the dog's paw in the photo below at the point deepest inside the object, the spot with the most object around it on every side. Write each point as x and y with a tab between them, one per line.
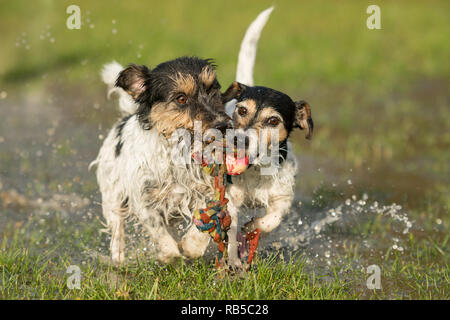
235	264
189	250
194	243
166	257
117	258
167	250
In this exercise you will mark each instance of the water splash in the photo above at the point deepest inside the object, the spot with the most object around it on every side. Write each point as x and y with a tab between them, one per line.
320	234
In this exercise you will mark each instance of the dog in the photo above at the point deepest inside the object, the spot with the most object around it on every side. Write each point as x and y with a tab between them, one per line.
264	109
135	172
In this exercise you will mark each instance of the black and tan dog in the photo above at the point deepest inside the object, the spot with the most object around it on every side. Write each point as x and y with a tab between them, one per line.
269	114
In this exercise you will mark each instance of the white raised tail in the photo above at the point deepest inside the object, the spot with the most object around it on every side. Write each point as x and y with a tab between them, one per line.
247	53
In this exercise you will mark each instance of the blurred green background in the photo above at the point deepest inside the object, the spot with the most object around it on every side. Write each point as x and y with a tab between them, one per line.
380	102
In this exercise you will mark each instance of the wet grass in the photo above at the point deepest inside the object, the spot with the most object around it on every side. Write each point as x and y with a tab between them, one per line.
28	277
34	264
380	105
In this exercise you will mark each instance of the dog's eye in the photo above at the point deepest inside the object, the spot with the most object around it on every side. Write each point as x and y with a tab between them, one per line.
242	111
273	121
182	99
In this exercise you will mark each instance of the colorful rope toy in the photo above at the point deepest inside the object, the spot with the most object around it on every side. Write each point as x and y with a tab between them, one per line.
248	243
215	218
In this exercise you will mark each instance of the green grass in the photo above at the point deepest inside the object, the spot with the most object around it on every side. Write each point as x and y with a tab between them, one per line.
27	277
35	255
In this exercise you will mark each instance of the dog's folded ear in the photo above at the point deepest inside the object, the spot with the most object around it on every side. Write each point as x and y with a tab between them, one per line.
133	80
234	91
303	119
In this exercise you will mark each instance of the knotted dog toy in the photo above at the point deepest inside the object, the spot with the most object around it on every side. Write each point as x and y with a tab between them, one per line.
248	242
215	218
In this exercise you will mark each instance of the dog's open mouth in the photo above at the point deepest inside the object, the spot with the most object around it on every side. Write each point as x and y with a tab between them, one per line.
218	151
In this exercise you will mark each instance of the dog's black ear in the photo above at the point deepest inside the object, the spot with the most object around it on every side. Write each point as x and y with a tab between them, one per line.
303	119
133	80
234	91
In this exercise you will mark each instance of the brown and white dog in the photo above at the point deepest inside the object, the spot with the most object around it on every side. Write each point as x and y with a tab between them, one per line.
135	169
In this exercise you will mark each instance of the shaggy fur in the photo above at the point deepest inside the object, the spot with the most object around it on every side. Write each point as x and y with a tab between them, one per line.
135	169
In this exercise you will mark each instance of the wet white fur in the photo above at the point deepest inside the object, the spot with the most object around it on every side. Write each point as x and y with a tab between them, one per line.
274	192
154	187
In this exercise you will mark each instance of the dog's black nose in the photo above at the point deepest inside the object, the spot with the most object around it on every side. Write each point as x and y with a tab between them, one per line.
223	126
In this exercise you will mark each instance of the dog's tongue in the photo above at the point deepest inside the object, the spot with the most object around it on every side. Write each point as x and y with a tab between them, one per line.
235	165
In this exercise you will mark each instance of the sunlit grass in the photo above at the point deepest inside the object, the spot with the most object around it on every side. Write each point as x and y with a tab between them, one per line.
33	268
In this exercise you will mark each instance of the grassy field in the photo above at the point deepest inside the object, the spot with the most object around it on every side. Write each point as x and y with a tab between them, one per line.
380	105
34	260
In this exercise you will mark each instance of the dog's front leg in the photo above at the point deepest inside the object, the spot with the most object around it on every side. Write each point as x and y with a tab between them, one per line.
117	238
233	258
194	243
114	212
279	206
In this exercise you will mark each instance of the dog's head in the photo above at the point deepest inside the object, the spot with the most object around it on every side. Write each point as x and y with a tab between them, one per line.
175	94
262	108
